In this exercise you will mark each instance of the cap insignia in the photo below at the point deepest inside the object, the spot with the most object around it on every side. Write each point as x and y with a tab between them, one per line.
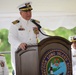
27	4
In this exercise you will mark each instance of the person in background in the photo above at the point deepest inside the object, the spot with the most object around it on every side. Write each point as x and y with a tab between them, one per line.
73	50
3	66
24	31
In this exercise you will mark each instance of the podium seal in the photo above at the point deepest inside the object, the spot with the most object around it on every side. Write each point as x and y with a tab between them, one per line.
55	62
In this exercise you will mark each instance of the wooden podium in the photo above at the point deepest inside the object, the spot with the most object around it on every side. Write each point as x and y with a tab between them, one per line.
52	56
27	61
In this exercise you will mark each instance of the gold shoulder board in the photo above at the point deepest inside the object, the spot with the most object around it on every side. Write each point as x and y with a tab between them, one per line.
15	22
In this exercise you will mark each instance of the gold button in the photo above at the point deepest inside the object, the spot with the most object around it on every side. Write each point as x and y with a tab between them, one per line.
30	38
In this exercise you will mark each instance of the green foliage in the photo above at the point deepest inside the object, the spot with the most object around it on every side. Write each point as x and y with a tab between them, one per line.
5	46
49	32
63	32
74	30
4	40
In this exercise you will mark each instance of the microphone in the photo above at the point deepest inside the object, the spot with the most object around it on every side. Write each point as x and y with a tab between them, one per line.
34	21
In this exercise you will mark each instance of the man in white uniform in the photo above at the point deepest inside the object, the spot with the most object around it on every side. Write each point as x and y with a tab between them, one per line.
3	66
23	31
73	50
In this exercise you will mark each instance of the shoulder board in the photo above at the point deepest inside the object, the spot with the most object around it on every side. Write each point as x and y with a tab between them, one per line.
36	21
1	54
16	21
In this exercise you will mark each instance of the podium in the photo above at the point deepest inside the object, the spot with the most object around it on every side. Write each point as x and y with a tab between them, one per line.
27	61
52	56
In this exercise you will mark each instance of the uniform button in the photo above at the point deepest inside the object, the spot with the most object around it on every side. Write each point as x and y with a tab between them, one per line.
30	38
29	30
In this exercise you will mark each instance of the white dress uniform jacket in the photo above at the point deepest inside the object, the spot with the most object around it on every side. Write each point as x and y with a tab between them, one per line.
3	66
74	60
22	32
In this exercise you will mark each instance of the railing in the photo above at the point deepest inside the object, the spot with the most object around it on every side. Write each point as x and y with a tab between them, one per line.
5	52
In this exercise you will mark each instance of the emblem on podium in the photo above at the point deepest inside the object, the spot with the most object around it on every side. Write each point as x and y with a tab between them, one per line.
55	62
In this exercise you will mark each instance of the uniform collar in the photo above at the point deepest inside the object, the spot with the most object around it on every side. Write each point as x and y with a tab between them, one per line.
23	20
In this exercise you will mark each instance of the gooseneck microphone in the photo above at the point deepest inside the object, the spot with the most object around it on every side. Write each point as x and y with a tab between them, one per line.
39	26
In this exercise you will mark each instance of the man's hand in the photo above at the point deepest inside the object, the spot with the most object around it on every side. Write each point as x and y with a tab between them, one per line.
23	46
